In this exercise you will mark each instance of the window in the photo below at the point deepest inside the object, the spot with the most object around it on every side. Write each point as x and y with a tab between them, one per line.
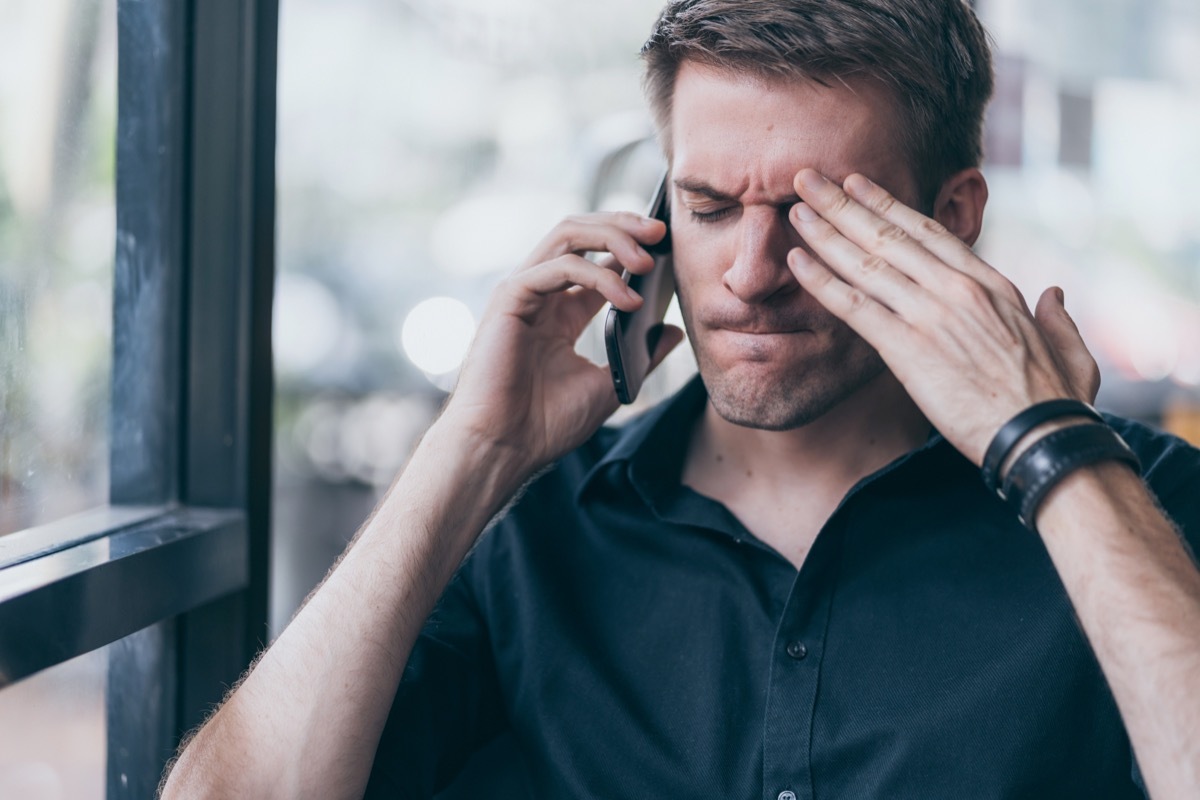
52	731
167	573
58	97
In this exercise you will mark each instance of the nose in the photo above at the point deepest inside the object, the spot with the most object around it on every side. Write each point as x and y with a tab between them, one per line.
759	270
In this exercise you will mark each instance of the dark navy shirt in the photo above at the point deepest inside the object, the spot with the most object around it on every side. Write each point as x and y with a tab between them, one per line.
637	641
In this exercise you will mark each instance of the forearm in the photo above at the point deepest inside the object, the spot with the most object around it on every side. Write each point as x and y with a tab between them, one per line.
306	720
1136	592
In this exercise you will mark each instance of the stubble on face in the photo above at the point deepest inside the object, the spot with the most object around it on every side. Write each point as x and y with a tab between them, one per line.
752	396
748	138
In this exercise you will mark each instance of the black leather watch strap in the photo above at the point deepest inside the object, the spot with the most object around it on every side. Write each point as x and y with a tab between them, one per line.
1015	429
1051	458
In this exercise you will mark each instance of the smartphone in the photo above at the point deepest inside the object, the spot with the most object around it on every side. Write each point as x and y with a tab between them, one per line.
631	336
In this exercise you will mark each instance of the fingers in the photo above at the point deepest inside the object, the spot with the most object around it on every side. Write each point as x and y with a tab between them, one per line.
529	287
621	233
868	317
1066	343
584	304
668	340
556	265
871	271
898	256
868	215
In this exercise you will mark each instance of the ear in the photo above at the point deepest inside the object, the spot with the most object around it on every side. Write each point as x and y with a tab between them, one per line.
960	202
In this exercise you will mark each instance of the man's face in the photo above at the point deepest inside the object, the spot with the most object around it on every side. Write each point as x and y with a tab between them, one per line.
770	355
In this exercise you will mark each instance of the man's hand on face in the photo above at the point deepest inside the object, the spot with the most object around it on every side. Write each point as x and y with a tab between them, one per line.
523	387
955	332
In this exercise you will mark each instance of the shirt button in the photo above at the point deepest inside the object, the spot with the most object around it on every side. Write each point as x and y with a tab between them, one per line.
787	794
796	650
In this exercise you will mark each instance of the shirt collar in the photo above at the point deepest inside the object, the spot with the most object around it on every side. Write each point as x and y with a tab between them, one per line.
652	445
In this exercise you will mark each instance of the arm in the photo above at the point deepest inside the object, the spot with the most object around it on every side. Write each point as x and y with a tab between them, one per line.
306	720
1136	592
960	338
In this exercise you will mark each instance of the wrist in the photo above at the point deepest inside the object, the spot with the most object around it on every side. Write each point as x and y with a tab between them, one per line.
1003	448
453	484
1093	487
1036	434
1054	457
500	466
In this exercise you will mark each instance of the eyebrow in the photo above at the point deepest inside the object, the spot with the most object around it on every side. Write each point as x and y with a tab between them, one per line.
697	186
700	187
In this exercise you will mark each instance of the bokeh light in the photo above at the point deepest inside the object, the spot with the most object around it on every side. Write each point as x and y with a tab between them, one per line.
435	335
307	323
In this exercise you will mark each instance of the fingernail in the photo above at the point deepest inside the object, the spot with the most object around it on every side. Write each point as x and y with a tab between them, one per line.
858	182
798	259
812	179
805	213
1059	294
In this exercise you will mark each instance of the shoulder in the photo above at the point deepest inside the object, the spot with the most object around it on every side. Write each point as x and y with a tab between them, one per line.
599	471
1169	464
1171	468
574	469
548	501
544	537
650	439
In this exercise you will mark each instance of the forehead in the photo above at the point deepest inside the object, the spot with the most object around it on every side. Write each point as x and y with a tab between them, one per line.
738	132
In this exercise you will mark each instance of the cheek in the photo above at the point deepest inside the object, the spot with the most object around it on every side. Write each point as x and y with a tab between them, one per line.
701	257
852	348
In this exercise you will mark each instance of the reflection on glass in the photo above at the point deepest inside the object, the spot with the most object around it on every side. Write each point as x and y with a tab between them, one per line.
52	732
57	223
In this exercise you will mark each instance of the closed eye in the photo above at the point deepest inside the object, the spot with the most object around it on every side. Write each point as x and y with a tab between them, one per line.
712	216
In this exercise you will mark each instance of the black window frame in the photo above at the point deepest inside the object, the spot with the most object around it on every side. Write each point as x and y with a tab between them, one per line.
174	575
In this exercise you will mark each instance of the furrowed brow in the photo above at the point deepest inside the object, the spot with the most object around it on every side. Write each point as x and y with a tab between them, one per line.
696	186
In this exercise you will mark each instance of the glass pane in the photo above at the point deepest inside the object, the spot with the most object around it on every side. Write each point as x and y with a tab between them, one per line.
52	732
57	224
1093	159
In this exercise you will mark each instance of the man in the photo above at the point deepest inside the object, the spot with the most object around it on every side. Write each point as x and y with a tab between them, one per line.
788	581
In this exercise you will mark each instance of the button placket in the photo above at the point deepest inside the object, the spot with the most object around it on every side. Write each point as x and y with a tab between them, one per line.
791	697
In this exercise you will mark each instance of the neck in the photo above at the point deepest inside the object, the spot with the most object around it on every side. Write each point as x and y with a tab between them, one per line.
863	433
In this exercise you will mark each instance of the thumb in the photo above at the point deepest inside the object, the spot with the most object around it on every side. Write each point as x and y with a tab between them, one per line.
1068	346
669	338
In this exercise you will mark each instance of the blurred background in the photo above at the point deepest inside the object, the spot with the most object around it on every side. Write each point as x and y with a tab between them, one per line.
424	147
58	104
404	196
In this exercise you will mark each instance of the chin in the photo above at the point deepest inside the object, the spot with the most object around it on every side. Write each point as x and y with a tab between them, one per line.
755	398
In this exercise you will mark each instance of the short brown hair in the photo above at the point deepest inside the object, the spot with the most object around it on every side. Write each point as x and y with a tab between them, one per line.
931	55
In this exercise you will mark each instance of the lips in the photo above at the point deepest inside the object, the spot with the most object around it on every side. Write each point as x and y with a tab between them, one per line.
764	331
759	326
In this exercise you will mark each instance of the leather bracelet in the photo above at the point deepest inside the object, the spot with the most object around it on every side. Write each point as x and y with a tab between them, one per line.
1015	429
1051	458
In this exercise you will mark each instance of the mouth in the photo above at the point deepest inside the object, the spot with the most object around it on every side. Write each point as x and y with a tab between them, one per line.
762	344
765	331
762	324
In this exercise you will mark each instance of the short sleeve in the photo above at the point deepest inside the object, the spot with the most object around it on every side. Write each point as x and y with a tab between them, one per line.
447	706
1171	468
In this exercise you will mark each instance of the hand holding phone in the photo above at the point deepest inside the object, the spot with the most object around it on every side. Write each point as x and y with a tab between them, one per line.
630	337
